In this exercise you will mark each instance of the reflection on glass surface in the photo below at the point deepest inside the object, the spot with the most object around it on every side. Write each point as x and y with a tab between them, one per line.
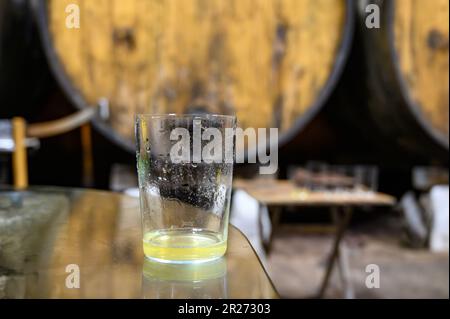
184	281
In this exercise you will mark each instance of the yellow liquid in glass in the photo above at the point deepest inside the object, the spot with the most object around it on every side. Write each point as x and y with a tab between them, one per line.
183	245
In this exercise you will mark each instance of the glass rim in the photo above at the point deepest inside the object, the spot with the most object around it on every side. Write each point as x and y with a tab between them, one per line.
184	115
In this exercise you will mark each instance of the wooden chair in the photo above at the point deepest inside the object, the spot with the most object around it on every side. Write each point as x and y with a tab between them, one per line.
21	132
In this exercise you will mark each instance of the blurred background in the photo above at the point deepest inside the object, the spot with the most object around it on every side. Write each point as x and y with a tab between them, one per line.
360	97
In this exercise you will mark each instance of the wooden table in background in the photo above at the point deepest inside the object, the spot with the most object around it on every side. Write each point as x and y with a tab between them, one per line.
277	194
49	236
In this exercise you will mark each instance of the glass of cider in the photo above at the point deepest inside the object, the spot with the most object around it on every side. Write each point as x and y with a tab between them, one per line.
185	168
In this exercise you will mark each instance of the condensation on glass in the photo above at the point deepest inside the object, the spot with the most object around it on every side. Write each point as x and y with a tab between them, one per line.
184	203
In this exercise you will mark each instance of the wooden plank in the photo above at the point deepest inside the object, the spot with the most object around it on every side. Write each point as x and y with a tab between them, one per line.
19	157
285	193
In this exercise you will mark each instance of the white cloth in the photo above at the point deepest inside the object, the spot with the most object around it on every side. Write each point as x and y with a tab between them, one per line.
439	203
247	214
413	216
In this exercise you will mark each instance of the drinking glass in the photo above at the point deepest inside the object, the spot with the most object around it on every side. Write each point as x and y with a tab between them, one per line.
365	179
318	176
358	179
343	179
300	176
185	168
371	179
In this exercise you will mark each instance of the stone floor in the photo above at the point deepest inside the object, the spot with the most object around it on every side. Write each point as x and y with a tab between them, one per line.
297	262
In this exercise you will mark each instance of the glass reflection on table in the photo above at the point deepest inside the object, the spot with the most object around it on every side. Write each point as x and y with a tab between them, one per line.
184	281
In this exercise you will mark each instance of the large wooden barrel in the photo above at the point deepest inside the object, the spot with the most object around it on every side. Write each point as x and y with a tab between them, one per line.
273	63
408	73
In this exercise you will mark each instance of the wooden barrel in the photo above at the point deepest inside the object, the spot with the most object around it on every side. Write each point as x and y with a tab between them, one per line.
408	73
272	63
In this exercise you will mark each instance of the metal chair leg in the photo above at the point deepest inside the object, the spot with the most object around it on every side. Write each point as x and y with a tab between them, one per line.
88	157
341	226
344	272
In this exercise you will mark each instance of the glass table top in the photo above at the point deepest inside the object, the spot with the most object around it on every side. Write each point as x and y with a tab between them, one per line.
78	243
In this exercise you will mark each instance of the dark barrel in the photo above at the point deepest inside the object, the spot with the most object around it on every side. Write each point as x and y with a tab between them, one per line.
407	62
23	68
